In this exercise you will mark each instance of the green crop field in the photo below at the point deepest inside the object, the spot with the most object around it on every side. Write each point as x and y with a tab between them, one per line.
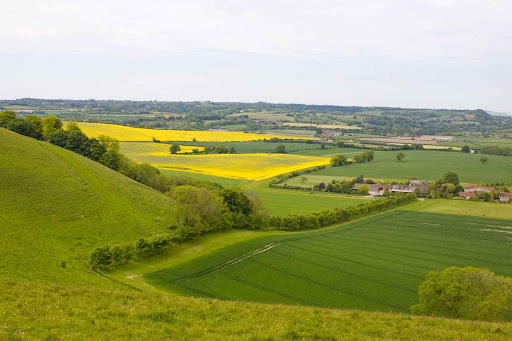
372	264
57	206
257	146
428	165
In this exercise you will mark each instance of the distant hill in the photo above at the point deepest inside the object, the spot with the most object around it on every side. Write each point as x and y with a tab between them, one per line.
57	206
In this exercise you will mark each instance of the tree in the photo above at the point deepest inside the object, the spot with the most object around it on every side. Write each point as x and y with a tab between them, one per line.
281	149
451	177
232	150
364	190
175	148
483	160
338	160
34	126
303	179
49	124
6	117
400	156
193	205
465	149
110	159
340	143
469	292
73	126
19	126
221	150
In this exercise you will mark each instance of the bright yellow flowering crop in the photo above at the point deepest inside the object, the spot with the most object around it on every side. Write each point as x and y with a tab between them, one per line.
255	167
123	133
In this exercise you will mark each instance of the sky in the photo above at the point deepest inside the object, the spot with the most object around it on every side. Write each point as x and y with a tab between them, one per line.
400	53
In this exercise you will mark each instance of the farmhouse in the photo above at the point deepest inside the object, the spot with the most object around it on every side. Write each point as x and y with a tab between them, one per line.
375	189
466	195
413	186
478	189
505	197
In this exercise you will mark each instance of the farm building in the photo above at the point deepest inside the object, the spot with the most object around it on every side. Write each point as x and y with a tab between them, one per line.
413	186
505	197
466	195
375	189
478	189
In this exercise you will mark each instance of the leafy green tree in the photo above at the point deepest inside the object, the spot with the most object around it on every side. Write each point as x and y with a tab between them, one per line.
236	200
281	149
109	143
469	292
101	258
483	160
364	190
400	156
19	126
6	117
339	160
49	124
78	142
193	205
72	126
451	177
221	149
110	159
175	148
232	150
303	179
34	126
465	149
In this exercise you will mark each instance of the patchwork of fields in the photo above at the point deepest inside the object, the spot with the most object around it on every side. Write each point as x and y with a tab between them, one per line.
123	133
372	264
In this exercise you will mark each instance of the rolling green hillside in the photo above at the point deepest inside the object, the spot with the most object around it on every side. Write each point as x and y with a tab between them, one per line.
42	312
57	206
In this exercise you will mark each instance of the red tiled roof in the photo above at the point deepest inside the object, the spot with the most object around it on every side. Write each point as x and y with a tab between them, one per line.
467	194
482	187
506	195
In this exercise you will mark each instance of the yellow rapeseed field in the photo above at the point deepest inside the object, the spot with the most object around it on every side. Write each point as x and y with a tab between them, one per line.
254	167
123	133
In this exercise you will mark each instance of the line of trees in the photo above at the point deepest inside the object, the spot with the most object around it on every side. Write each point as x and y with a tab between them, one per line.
200	211
102	149
496	150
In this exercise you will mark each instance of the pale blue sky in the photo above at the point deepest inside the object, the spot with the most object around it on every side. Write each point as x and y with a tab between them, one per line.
426	53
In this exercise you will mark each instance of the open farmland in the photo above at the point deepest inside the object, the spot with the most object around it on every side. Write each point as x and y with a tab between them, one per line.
123	133
258	166
427	165
373	264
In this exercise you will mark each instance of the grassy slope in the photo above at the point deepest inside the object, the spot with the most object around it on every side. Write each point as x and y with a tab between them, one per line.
57	206
63	313
428	165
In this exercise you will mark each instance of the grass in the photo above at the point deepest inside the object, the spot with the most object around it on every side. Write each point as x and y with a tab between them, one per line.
245	147
123	133
465	208
285	201
372	264
58	206
41	312
428	165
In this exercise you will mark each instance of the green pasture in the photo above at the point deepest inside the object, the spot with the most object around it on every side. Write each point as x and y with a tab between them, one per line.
371	264
57	207
428	165
38	311
257	146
